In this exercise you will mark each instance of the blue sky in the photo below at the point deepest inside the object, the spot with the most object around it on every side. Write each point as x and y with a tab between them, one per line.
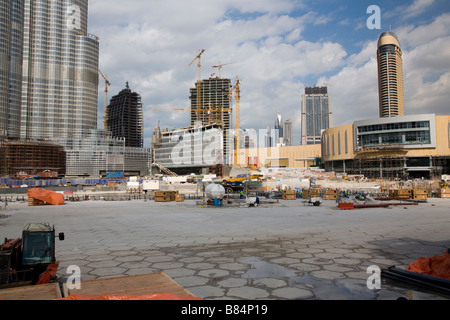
279	46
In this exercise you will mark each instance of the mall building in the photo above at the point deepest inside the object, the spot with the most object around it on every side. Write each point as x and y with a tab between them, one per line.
402	147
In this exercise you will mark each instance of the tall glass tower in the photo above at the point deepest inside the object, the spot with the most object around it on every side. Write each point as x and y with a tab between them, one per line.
11	45
390	76
60	70
316	114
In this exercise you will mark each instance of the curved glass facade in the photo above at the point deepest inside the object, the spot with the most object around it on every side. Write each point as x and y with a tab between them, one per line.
11	40
60	70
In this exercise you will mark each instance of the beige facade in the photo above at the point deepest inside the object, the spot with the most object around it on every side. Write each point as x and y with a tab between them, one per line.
287	157
398	146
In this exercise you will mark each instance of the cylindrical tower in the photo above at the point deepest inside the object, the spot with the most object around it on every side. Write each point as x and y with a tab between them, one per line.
390	76
60	70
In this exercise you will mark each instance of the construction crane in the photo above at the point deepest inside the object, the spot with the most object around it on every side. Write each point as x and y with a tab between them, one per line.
199	65
220	66
107	83
237	95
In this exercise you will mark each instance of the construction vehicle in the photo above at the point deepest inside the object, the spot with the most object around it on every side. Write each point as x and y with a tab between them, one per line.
237	184
29	260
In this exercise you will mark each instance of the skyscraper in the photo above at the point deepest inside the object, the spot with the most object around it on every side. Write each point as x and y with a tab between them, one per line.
60	70
390	76
125	118
214	108
316	114
288	132
11	46
279	129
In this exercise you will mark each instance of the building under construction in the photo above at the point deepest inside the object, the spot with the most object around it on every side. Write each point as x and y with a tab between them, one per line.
211	104
30	158
125	118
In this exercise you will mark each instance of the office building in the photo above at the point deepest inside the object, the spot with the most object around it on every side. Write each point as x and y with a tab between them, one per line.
390	76
288	133
125	118
316	114
60	70
11	47
279	130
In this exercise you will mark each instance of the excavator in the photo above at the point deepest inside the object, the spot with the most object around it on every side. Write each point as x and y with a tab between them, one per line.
29	260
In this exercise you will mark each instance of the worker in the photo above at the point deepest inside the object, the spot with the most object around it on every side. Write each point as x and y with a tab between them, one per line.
242	194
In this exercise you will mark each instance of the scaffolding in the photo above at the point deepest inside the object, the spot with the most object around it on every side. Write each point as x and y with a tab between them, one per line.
31	158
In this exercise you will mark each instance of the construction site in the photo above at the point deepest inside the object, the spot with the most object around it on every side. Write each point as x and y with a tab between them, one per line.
208	220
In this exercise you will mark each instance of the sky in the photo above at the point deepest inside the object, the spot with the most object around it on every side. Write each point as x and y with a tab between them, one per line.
276	48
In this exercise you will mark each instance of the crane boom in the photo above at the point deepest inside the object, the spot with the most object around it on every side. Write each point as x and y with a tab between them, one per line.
199	65
107	83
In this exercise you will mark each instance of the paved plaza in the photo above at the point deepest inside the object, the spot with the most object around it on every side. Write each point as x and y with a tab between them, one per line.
276	251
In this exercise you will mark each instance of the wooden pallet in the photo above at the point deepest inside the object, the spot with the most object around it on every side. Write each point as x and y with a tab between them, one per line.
29	293
146	284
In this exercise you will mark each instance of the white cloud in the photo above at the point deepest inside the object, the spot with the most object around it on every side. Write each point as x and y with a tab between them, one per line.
151	44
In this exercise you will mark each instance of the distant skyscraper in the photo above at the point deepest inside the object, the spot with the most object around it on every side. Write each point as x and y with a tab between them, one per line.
316	114
125	118
60	70
279	129
11	47
288	132
390	76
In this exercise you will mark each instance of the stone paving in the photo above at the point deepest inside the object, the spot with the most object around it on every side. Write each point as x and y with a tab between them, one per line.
282	251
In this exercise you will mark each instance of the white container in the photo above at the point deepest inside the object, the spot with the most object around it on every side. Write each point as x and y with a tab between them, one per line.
215	191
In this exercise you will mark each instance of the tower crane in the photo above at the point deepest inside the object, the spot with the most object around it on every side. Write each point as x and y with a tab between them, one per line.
107	83
199	65
237	96
220	66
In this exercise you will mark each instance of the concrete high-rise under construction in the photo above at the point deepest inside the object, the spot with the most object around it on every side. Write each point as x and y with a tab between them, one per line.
214	102
125	117
60	70
213	107
390	76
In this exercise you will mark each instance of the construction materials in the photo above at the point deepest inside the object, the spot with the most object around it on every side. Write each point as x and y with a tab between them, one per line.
310	193
289	195
444	193
419	194
146	284
400	194
165	196
329	194
46	196
32	293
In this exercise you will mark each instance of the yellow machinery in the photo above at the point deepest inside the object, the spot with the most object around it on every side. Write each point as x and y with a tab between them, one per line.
107	83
